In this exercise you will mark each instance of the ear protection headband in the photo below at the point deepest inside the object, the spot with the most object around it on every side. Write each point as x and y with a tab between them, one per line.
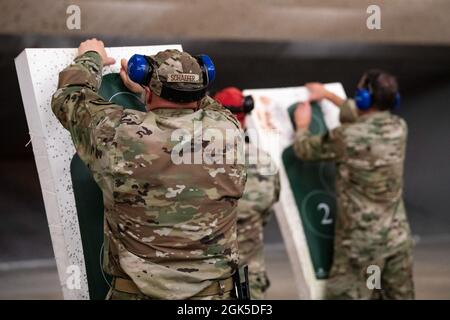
141	68
364	97
247	106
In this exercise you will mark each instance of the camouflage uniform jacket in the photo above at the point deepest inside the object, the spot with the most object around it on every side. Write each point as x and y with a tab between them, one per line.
254	208
170	228
369	151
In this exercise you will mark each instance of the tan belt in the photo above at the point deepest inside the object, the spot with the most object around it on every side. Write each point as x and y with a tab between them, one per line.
218	287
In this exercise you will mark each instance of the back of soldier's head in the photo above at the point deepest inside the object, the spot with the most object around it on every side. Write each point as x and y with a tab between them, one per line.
173	75
178	70
383	87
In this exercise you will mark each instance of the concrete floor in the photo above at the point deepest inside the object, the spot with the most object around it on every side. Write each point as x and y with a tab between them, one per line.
39	279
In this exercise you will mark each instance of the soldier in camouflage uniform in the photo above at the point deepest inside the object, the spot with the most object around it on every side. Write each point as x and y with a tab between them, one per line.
255	207
170	229
371	225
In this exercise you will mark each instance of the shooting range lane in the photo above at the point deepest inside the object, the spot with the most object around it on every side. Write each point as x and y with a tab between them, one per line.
425	89
38	71
307	207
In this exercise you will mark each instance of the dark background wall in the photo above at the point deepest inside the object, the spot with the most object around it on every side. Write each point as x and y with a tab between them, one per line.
423	73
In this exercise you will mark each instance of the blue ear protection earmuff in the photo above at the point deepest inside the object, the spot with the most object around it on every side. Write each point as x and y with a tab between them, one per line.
208	66
398	100
364	98
141	67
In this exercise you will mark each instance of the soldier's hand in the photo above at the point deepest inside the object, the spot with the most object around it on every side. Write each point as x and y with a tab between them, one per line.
303	115
131	85
316	90
96	45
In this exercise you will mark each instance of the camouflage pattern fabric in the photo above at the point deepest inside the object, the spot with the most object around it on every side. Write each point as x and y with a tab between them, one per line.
119	295
349	277
371	224
255	207
169	228
170	62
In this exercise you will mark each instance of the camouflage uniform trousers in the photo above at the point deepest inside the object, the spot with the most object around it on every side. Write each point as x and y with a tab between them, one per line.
257	276
349	277
114	294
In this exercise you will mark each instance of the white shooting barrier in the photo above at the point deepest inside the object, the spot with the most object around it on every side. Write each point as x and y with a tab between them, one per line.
274	132
37	70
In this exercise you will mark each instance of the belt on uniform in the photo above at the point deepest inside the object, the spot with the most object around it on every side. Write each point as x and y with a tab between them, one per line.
217	287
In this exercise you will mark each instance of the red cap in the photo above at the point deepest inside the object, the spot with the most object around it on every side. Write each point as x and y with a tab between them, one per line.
232	97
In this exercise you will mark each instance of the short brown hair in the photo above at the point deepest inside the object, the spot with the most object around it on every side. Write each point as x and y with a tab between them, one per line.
383	87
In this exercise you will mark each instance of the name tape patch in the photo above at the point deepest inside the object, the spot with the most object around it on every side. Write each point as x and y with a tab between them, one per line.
183	77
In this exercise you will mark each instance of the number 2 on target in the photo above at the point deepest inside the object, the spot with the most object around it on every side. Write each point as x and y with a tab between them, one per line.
326	219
